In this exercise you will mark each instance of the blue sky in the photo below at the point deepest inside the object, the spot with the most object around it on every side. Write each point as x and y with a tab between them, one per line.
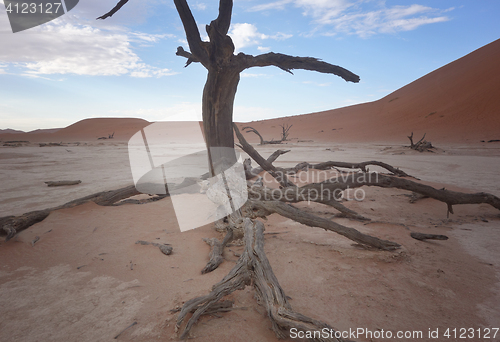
77	67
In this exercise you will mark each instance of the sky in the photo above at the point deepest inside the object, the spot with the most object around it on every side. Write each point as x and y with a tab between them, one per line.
77	67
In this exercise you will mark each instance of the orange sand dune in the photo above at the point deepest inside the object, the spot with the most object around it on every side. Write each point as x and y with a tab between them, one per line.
95	128
85	130
458	102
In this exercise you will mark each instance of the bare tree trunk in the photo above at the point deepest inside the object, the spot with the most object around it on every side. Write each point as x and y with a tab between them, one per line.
218	99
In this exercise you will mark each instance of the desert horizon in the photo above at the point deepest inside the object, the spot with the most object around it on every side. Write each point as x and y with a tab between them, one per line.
456	103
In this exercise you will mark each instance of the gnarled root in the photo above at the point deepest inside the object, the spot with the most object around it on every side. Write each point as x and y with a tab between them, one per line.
253	267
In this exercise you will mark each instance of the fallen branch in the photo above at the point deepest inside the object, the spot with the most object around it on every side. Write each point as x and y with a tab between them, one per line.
62	183
422	236
164	248
11	225
264	208
373	179
131	325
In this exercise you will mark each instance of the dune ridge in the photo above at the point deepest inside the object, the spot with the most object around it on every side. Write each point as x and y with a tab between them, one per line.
457	103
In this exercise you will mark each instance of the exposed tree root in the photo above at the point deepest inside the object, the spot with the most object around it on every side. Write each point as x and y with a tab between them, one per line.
253	268
217	251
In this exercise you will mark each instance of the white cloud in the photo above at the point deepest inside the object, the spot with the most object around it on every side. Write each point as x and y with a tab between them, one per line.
327	84
244	34
151	38
143	70
356	17
62	48
387	20
279	5
263	48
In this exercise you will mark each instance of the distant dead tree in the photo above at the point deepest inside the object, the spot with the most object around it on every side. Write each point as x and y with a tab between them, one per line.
285	131
110	136
421	145
284	134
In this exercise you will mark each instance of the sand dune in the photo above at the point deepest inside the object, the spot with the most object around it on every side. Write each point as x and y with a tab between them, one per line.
92	129
457	103
84	130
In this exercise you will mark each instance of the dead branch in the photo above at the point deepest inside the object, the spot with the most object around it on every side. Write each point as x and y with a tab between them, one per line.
304	166
422	236
217	251
265	208
254	172
164	248
297	194
362	166
414	197
50	144
114	9
62	183
373	179
11	225
278	175
249	129
288	63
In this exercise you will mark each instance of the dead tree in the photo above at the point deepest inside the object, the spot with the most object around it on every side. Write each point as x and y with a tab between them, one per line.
421	145
224	68
284	134
285	131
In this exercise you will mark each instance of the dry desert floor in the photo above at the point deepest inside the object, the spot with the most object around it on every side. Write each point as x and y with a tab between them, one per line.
86	279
